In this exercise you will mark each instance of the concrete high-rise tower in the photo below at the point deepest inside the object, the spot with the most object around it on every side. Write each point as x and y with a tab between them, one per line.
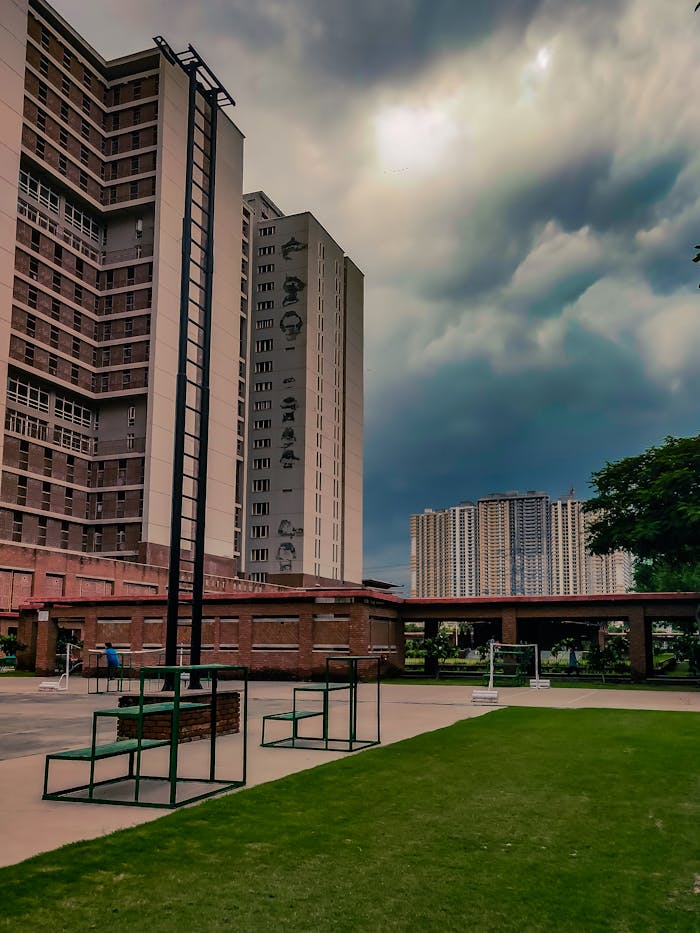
304	522
93	168
514	544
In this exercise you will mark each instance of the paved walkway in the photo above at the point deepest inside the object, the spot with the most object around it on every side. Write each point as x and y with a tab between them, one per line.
32	724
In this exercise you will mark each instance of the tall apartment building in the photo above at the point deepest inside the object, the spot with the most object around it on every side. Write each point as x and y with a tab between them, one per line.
93	167
574	569
569	554
514	544
443	552
304	522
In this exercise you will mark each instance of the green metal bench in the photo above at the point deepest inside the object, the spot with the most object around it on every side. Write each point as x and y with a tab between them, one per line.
134	747
8	662
293	716
112	750
325	741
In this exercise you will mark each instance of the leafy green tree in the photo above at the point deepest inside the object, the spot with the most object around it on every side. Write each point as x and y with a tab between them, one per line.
437	649
10	645
612	658
650	505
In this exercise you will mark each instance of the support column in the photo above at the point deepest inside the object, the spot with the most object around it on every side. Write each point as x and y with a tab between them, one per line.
641	654
509	627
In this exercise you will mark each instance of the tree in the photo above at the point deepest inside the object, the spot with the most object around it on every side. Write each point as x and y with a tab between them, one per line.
650	505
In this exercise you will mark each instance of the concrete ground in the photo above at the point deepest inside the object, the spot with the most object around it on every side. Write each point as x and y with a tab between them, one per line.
33	724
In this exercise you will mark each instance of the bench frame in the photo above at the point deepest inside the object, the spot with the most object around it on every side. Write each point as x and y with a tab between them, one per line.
325	741
134	748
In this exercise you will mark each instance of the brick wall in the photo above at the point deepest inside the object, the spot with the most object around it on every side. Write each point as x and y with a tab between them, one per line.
193	724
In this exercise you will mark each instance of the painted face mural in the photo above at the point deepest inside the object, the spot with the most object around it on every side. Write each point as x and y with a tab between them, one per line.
288	380
286	553
288	437
292	288
291	325
288	459
287	530
288	406
292	246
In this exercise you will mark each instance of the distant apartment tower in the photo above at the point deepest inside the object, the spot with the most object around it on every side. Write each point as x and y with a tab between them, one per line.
443	552
575	570
514	532
569	555
610	573
304	521
93	168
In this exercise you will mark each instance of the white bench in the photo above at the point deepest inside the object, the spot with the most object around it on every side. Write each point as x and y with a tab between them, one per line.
485	696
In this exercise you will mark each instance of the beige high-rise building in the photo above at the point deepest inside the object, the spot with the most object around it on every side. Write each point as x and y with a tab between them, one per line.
304	522
443	552
92	168
568	546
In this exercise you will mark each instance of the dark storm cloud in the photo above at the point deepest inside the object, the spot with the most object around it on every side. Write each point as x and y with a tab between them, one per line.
369	41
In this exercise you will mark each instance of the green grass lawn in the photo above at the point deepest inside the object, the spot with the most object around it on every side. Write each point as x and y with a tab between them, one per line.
521	820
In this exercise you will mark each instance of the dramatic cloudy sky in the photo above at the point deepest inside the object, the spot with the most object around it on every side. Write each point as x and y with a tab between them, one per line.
519	181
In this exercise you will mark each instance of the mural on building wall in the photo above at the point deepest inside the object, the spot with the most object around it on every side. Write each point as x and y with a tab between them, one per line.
293	287
286	553
292	246
288	437
288	459
289	407
288	380
287	530
291	325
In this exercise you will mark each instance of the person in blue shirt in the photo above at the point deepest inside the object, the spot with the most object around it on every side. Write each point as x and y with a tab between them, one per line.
112	659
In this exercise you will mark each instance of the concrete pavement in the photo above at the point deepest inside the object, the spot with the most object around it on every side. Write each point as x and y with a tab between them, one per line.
33	723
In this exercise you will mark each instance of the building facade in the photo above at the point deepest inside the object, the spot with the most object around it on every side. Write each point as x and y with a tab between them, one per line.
514	544
304	515
93	168
444	552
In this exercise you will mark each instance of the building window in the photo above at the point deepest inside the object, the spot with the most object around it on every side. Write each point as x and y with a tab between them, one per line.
32	296
268	231
264	324
263	386
264	346
261	442
261	463
43	65
265	405
259	531
261	485
266	250
130	441
43	92
262	424
260	508
41	120
265	286
263	366
17	526
131	416
41	537
259	554
266	305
